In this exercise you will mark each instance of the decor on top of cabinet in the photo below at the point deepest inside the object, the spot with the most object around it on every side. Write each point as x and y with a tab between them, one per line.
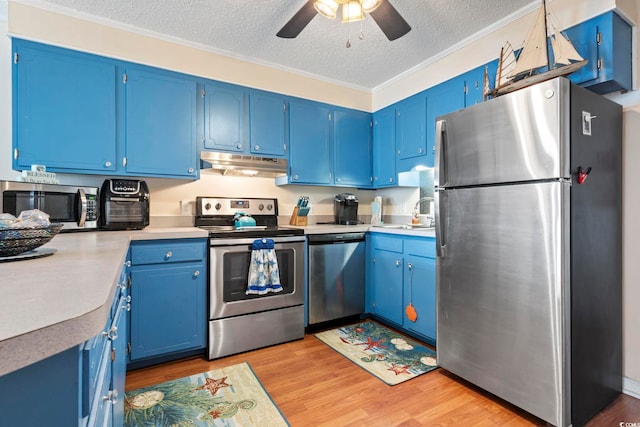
517	73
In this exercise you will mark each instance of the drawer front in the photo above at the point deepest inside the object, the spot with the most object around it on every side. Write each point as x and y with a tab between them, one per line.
386	243
168	252
99	402
92	353
425	247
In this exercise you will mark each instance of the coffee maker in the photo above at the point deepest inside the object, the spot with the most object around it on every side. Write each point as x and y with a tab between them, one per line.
345	209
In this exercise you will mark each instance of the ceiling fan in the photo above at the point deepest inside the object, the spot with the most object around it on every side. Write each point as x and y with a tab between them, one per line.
383	13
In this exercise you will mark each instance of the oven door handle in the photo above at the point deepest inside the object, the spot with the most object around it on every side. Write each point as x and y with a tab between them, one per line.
217	241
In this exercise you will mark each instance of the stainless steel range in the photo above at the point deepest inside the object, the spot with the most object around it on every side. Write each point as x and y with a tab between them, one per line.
239	321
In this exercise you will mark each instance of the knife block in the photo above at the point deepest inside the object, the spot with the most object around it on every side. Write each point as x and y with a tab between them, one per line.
297	220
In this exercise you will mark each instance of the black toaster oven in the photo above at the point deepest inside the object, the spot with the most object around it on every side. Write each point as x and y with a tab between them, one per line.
124	204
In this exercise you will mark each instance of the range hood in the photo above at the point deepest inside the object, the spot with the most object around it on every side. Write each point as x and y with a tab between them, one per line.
242	165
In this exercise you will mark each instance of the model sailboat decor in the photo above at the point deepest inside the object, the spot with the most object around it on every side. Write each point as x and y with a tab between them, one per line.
534	64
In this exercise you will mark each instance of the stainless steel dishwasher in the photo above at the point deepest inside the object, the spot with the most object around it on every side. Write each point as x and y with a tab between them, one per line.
336	276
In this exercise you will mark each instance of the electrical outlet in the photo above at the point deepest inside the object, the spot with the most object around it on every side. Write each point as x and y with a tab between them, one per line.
186	207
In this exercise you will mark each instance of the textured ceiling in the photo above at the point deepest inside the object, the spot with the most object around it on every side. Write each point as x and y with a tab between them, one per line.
246	29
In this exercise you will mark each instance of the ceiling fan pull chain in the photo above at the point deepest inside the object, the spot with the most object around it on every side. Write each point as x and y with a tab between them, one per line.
361	36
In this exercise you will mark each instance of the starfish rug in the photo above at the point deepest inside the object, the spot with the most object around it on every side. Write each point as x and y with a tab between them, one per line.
230	397
391	357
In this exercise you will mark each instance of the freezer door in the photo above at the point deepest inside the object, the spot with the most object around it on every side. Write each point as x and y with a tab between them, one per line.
520	136
502	294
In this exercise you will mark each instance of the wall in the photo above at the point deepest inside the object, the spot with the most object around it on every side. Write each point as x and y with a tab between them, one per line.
51	27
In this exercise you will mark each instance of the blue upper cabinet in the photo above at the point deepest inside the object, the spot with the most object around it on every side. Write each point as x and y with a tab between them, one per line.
310	132
605	41
474	83
352	148
444	98
225	117
64	107
81	113
411	132
328	145
384	148
268	117
160	130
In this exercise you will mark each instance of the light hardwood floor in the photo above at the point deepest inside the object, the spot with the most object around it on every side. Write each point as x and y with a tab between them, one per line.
315	386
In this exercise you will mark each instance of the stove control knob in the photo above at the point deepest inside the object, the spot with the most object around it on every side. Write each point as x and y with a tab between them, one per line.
261	207
207	206
269	207
218	206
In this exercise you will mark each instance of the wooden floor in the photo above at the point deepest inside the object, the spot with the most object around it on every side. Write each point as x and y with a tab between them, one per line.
315	386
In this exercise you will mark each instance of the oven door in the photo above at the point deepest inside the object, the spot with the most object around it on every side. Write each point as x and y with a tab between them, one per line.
229	270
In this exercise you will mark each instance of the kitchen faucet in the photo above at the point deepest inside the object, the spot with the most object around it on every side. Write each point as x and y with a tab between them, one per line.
416	209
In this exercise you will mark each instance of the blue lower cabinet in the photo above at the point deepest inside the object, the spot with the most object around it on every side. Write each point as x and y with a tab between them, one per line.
387	285
45	393
168	298
402	270
420	287
80	386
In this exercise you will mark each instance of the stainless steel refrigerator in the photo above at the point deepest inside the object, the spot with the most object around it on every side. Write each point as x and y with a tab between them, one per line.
528	235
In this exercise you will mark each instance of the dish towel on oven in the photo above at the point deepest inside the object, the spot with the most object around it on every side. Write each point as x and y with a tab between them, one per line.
264	276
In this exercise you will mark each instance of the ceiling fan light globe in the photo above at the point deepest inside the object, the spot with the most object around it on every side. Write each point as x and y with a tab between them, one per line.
326	8
352	11
369	6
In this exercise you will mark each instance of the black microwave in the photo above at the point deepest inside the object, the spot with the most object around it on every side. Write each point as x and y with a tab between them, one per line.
75	207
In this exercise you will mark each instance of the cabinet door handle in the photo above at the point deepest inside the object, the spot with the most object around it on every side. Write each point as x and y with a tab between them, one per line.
256	148
111	334
196	273
398	263
168	255
190	170
111	397
107	164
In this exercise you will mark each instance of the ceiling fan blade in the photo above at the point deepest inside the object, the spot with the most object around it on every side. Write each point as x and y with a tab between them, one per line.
390	21
297	23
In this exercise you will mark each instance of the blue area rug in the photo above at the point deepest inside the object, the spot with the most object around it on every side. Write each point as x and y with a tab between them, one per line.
391	357
230	397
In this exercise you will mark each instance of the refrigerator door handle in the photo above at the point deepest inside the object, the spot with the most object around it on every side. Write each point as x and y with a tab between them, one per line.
441	245
440	177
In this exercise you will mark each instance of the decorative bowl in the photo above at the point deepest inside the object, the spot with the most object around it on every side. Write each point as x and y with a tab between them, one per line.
14	241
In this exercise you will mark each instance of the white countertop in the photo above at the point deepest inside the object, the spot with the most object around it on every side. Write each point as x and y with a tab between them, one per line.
53	303
333	228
